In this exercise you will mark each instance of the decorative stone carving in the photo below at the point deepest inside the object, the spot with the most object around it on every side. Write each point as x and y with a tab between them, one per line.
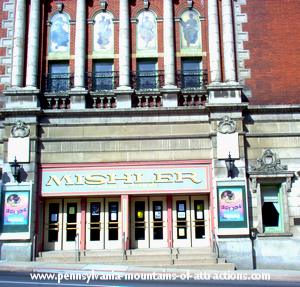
190	3
227	125
60	7
20	130
269	163
146	4
103	5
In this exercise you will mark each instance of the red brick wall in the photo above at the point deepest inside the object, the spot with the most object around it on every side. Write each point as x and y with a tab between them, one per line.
3	34
274	41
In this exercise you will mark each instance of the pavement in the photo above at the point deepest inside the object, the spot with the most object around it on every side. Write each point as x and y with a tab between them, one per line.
20	266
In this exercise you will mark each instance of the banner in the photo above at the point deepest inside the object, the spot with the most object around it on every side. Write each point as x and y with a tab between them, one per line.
232	206
16	208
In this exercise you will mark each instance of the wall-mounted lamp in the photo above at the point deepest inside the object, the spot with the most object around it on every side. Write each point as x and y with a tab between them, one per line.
15	170
230	166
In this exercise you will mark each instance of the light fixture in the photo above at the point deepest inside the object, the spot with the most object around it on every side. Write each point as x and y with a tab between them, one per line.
230	166
15	170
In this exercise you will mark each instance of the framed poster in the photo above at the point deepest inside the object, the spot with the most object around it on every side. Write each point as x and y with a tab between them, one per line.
15	216
232	207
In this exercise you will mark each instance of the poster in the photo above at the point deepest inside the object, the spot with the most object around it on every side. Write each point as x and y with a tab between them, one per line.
140	214
113	216
232	208
157	215
16	208
199	215
181	207
95	209
181	215
181	232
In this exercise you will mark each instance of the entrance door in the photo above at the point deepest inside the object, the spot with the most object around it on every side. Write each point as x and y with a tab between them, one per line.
200	221
71	224
113	238
95	224
181	222
139	223
53	225
158	222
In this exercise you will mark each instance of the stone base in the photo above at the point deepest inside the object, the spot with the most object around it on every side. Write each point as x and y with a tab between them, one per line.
21	98
124	97
78	99
219	93
277	253
170	97
237	251
16	251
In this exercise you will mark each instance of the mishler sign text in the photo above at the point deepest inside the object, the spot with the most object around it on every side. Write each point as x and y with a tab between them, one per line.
81	181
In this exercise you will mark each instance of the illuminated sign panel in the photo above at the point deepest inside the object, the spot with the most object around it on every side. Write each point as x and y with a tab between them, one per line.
123	179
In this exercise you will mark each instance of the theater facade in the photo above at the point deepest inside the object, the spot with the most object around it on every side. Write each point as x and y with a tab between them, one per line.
148	125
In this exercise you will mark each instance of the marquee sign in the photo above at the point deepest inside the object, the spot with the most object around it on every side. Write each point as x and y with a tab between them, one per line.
101	180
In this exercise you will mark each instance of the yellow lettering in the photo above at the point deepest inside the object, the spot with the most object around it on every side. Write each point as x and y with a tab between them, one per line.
95	179
163	177
139	179
79	180
180	176
58	181
112	179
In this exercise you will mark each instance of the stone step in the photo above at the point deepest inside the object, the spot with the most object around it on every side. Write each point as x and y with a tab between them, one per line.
149	251
193	251
207	266
195	261
195	257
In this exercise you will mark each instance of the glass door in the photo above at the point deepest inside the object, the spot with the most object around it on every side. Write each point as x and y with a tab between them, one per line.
95	224
181	222
158	222
139	223
71	224
200	221
53	225
113	237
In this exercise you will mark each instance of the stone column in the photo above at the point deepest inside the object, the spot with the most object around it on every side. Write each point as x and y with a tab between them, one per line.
228	42
169	50
33	45
79	75
18	48
124	38
214	42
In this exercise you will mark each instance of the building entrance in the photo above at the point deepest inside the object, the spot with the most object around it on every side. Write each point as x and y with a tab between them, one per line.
190	221
63	224
148	222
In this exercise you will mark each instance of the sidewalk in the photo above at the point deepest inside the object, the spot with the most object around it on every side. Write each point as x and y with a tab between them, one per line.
11	266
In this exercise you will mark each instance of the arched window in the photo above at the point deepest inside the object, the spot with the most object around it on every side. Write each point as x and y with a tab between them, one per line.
146	32
190	30
103	32
59	40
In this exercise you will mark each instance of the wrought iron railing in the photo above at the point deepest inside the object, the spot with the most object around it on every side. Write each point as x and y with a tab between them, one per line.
102	81
58	83
147	80
191	80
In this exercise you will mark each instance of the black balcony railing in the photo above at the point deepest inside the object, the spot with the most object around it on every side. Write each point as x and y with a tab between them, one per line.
102	81
58	83
147	80
191	80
